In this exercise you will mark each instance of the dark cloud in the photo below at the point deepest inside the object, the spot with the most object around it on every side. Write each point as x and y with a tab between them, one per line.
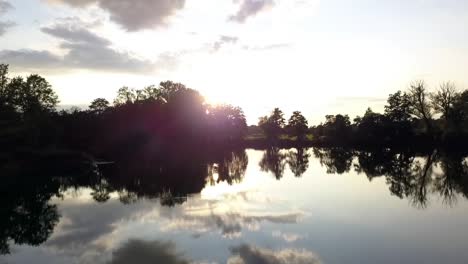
250	8
30	59
78	230
5	7
74	34
84	50
5	25
135	15
224	40
246	254
147	252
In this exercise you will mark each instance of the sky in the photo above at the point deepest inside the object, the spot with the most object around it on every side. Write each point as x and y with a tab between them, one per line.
317	56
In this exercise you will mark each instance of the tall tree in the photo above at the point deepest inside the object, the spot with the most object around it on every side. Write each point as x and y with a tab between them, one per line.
227	122
125	95
398	108
32	95
420	104
273	125
298	123
443	101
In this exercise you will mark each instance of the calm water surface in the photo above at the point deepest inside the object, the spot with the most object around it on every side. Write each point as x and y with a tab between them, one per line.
276	206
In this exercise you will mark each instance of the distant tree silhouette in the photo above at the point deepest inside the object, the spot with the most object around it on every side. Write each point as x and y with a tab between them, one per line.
125	95
371	127
99	105
398	116
273	125
398	107
443	101
227	123
298	124
337	128
460	112
420	104
32	95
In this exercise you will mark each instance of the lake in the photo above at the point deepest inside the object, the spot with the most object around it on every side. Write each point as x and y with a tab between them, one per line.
253	206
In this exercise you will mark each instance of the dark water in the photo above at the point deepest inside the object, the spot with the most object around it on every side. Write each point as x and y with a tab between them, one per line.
276	206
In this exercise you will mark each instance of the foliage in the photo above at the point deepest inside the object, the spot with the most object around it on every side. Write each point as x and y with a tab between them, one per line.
420	106
99	105
273	125
298	123
227	123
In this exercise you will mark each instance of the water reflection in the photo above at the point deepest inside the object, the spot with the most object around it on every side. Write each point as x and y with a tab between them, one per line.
149	252
229	168
274	161
84	203
336	160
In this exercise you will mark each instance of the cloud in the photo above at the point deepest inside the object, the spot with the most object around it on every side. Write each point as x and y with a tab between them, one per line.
75	34
224	40
84	50
249	8
288	237
5	7
230	225
134	15
30	59
147	252
246	254
268	47
5	25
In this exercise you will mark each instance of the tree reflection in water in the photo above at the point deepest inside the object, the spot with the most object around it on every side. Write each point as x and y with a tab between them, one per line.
30	182
230	167
274	161
336	160
298	161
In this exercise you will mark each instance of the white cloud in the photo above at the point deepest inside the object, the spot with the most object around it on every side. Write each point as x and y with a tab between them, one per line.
249	8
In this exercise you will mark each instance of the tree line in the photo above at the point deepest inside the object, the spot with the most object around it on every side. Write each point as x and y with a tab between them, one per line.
171	118
168	117
414	116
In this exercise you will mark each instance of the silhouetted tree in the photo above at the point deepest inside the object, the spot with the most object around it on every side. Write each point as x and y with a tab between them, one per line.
273	125
371	127
337	128
99	105
443	101
398	115
32	95
125	95
298	124
420	104
227	123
